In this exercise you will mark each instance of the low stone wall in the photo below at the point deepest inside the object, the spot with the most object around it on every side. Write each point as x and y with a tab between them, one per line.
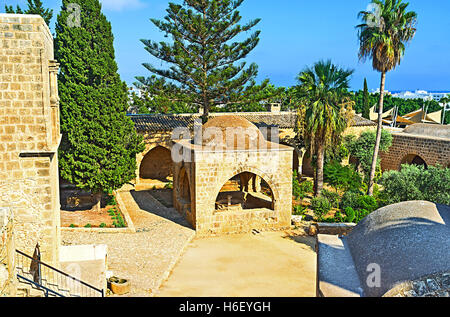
340	229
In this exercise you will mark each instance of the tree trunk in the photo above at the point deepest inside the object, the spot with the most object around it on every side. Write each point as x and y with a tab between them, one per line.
378	139
98	202
319	170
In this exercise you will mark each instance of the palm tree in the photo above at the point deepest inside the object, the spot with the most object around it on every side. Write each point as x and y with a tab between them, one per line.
325	110
382	38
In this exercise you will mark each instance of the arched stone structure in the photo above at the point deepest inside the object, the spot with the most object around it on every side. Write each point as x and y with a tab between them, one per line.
413	159
156	164
210	169
429	142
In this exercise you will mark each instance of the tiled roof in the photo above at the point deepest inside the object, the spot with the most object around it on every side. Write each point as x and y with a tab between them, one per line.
168	122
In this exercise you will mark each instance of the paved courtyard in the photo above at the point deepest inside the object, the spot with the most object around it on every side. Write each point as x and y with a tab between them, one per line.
270	264
144	257
265	264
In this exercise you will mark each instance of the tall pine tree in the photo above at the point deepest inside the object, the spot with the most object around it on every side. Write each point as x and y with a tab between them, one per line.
34	7
366	104
205	60
99	145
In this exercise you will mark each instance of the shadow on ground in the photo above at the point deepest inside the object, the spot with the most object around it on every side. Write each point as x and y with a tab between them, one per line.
150	204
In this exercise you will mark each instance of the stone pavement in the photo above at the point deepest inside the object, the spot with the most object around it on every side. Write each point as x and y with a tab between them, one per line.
269	264
147	256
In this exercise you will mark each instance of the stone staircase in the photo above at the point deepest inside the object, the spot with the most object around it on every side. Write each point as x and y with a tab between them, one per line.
52	282
28	289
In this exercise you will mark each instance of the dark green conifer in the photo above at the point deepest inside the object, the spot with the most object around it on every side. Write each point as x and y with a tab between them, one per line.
366	104
99	145
204	57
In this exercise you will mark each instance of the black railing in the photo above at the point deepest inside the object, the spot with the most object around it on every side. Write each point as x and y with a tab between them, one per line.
48	277
46	290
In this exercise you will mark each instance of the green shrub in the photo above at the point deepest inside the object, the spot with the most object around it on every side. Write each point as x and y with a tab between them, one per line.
103	225
416	183
72	225
350	199
299	190
321	206
361	214
88	225
367	202
350	215
342	177
299	210
332	197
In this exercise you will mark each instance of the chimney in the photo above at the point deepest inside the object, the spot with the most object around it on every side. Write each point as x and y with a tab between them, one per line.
274	107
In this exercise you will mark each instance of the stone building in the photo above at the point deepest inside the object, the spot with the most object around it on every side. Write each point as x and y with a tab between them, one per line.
230	179
29	133
420	144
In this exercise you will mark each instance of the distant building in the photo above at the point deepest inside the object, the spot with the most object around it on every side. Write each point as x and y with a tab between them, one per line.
421	94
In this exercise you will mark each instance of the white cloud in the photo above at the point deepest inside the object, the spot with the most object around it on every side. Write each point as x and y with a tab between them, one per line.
120	5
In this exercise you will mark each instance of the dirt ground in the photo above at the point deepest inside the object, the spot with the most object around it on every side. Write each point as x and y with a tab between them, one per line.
269	264
80	218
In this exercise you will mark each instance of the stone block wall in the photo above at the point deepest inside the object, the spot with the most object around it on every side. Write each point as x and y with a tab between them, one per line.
213	170
432	150
29	133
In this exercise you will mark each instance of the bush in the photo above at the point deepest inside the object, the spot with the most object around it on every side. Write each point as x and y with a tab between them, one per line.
367	202
321	206
350	199
299	210
299	190
332	197
343	177
416	183
362	149
350	215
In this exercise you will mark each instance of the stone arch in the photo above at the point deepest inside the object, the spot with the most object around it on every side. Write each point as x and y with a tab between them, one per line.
307	167
413	159
156	164
224	179
184	187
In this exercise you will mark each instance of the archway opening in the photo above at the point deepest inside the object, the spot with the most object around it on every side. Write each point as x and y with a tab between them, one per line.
245	191
185	189
157	164
413	159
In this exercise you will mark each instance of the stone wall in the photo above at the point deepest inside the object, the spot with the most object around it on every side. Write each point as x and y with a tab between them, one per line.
432	150
29	133
7	252
212	173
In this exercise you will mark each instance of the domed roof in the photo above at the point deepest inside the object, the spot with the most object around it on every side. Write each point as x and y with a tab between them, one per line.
432	130
230	132
407	240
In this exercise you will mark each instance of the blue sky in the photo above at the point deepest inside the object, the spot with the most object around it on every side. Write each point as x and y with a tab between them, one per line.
295	34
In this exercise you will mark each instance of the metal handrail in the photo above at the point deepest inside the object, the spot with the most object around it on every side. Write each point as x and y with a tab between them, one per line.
61	272
46	289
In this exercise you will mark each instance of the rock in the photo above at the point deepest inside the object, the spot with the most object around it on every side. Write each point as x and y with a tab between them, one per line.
312	230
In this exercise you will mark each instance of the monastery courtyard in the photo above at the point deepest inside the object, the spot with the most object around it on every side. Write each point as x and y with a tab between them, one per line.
164	258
